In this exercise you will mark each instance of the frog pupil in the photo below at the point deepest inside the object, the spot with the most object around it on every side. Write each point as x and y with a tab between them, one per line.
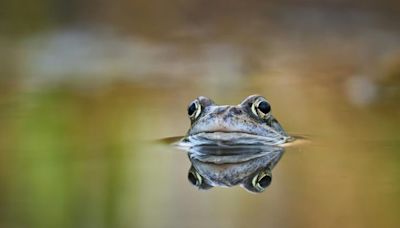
264	107
192	178
265	181
191	109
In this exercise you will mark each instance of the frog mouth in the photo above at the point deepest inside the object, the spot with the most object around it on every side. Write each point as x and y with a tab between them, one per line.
271	134
227	133
235	137
238	133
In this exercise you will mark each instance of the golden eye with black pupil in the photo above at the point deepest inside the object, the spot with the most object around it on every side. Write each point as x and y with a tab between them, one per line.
262	180
264	107
261	108
194	110
191	109
195	178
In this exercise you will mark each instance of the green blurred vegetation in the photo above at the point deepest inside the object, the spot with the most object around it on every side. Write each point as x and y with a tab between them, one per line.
63	160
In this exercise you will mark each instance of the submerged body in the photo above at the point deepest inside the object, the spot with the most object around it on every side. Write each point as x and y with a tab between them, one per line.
250	122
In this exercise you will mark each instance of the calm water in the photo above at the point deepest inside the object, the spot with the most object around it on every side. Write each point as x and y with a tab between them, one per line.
84	100
78	159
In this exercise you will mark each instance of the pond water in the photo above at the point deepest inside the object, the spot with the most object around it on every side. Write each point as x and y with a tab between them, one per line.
83	111
74	158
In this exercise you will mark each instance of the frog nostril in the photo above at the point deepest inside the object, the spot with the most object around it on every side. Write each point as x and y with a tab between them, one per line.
236	111
220	111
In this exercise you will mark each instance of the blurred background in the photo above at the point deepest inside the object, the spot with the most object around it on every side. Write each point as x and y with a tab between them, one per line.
87	88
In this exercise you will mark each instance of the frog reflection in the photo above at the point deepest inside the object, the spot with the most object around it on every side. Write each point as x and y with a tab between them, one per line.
247	166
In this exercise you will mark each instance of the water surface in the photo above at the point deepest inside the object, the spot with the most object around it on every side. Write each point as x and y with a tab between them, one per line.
72	158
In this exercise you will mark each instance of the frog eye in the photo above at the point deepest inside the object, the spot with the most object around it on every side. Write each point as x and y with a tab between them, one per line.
195	178
261	108
194	110
262	180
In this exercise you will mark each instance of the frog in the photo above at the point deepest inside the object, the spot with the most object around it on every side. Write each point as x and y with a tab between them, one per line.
249	167
250	122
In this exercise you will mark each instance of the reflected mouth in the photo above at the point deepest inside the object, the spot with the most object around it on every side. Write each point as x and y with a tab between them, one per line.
236	135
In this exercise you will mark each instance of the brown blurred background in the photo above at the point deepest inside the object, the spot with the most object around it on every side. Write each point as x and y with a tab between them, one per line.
87	87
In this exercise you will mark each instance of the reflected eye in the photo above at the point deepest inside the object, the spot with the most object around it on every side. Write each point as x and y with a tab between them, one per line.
194	109
261	108
195	178
262	180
